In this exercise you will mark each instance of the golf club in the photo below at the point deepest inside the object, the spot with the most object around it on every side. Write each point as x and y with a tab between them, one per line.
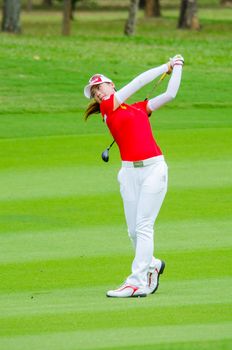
105	154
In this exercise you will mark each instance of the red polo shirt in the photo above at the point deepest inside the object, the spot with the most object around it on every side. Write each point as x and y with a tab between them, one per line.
131	129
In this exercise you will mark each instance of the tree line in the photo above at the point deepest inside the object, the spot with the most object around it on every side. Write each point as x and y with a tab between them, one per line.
188	14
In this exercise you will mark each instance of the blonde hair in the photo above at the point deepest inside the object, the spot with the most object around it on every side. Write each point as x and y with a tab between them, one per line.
93	108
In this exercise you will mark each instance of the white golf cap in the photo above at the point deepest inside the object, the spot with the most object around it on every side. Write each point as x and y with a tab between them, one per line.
95	80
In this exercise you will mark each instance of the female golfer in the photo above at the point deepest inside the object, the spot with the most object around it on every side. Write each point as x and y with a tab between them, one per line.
143	176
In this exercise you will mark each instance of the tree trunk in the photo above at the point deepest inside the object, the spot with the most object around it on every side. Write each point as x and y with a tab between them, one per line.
225	2
130	23
142	4
11	16
149	8
152	8
73	8
182	15
47	3
29	5
157	8
188	17
66	17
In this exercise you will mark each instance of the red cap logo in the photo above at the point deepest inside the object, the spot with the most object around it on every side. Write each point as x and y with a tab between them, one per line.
96	79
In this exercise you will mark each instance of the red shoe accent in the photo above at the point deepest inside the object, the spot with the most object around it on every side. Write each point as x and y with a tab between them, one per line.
133	288
149	279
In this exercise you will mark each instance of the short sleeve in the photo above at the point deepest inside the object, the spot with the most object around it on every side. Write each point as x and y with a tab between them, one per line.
107	106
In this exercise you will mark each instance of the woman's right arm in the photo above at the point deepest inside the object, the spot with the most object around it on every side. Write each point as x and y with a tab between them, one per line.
137	83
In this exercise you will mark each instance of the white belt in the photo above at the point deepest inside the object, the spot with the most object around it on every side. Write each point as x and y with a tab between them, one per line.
142	163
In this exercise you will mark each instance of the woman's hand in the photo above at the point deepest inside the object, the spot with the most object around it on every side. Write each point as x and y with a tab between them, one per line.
176	60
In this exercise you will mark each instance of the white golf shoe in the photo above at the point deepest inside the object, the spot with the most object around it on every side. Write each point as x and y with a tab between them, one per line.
127	291
153	276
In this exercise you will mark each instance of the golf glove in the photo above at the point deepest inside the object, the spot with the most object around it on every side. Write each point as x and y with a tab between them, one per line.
177	60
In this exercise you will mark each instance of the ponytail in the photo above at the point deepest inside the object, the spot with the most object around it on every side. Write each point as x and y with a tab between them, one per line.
93	108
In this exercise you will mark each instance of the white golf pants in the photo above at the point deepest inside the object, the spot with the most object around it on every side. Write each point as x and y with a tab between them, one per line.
143	190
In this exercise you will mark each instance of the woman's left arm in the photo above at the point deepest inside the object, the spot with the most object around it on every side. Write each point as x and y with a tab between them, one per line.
171	92
137	83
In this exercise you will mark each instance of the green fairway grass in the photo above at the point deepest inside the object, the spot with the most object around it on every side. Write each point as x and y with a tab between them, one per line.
63	237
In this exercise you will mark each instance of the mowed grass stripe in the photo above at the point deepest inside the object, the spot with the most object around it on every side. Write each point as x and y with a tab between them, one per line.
193	345
92	320
74	242
117	337
48	182
88	271
106	208
71	150
69	300
177	116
